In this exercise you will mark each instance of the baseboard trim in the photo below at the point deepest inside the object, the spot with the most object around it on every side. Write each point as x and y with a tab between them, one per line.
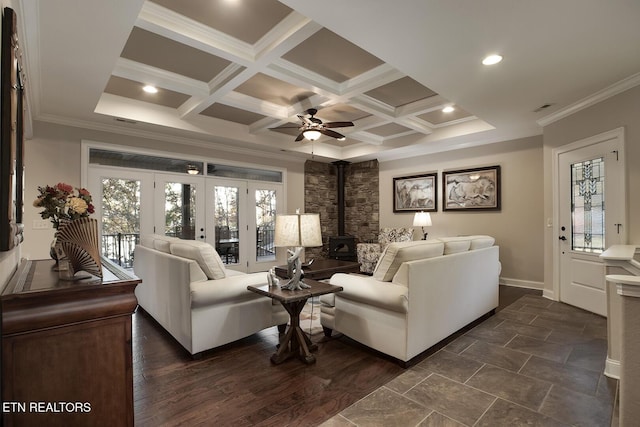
549	294
612	368
517	283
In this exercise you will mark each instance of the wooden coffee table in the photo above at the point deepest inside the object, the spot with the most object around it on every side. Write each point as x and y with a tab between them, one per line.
295	343
323	268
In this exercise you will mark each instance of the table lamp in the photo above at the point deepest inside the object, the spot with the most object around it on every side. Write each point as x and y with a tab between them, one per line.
298	231
422	219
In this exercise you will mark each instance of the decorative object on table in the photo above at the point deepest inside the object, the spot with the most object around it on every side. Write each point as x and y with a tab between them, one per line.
80	242
297	231
415	193
422	219
472	189
272	278
62	203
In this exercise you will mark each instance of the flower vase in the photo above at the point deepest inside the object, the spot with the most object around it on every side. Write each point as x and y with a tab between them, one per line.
56	252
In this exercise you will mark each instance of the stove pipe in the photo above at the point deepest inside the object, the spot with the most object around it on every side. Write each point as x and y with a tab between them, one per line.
341	206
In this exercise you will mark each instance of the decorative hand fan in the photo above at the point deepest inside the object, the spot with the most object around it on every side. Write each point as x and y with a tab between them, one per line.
79	240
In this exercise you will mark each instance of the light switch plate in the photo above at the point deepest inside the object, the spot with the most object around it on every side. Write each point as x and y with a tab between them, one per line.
41	224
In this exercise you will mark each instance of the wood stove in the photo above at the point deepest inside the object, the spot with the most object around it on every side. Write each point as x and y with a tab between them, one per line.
343	248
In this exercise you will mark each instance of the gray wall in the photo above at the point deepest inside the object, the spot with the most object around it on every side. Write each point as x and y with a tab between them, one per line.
518	227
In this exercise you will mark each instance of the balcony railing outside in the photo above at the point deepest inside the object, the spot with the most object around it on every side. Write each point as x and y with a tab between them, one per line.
265	242
119	247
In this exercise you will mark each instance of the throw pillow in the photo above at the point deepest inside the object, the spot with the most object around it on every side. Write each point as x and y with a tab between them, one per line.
479	242
454	245
397	253
203	253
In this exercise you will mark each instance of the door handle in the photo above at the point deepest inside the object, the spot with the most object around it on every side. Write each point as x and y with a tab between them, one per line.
562	238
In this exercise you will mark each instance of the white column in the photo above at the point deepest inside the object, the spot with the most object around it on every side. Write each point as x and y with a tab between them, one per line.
628	287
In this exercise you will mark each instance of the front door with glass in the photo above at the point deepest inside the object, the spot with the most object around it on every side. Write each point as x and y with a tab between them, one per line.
591	206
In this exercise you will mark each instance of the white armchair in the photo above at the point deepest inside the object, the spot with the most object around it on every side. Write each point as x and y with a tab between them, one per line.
369	253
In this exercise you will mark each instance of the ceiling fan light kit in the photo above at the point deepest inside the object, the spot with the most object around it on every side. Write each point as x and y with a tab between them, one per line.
312	135
313	128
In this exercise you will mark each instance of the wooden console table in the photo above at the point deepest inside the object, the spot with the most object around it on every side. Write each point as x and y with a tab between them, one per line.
66	347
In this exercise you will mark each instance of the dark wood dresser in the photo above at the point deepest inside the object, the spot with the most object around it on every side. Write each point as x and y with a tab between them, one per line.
66	348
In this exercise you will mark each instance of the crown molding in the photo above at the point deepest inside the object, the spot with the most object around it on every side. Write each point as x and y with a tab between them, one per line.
138	133
608	92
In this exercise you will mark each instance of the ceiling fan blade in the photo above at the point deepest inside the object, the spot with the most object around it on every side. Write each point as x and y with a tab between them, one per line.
300	137
331	133
338	124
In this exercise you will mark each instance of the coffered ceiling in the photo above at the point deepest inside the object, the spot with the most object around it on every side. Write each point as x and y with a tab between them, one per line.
234	74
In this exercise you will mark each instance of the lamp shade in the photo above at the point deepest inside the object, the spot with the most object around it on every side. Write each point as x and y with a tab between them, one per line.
298	230
422	219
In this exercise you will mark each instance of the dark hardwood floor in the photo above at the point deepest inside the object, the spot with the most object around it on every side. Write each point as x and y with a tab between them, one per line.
236	385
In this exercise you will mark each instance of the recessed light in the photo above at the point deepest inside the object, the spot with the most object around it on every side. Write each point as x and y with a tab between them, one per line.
492	59
448	109
150	89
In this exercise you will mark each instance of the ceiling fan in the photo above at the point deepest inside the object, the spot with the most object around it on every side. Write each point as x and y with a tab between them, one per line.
313	128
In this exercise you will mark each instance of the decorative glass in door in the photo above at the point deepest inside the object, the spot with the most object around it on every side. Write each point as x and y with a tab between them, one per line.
587	206
120	219
265	224
227	213
180	210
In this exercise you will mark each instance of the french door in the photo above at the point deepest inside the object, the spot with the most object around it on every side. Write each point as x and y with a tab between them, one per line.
237	217
591	206
123	202
179	206
263	200
240	224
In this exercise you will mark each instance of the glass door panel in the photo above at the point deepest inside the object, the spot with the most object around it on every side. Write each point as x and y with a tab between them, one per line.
264	204
123	203
178	203
587	206
265	207
120	204
227	223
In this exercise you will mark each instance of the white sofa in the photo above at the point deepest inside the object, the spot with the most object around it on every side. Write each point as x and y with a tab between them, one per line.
420	293
187	289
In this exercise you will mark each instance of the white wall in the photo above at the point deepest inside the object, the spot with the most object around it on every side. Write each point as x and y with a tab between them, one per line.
622	110
53	155
518	227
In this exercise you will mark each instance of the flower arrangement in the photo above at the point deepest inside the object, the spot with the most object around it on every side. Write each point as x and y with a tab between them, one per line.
63	202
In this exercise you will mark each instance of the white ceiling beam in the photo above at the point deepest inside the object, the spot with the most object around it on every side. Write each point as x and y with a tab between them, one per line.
369	80
179	28
143	73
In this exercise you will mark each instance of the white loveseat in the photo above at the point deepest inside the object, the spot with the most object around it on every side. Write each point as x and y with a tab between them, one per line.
420	293
189	292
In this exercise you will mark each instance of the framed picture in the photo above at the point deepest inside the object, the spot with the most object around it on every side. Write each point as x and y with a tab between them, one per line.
415	193
11	136
471	189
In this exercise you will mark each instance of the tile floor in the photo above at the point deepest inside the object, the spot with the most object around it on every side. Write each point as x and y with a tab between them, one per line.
535	363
